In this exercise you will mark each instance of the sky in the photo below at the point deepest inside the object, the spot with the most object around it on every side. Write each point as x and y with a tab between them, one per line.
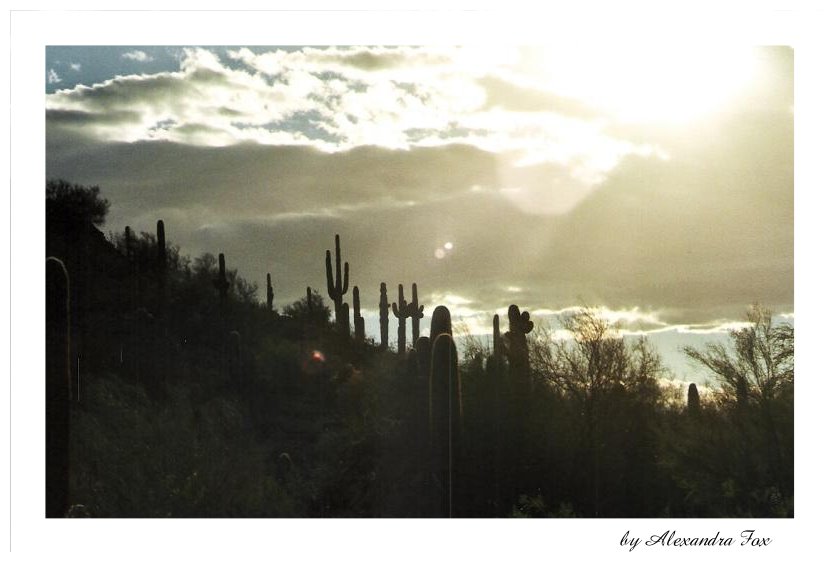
654	183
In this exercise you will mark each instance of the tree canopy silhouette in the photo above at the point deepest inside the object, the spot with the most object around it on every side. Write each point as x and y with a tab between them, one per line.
762	363
73	203
318	312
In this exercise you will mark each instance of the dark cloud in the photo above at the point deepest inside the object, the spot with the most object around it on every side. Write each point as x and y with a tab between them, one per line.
132	91
82	119
380	58
196	128
250	178
229	112
698	237
371	61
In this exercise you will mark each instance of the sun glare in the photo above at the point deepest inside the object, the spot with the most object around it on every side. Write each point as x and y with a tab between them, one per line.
645	84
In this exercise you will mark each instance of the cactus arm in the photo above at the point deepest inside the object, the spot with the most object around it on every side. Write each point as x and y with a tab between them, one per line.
330	276
338	264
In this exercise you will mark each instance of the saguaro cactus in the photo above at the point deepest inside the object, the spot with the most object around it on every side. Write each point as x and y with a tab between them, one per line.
400	310
134	283
440	323
360	325
416	313
445	419
383	310
161	245
162	266
423	356
494	363
58	387
343	321
339	286
129	242
309	299
223	286
519	326
222	283
270	293
445	385
693	400
518	362
497	338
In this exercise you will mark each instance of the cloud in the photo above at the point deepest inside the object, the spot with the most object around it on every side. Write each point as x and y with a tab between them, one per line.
52	77
338	99
683	241
61	117
358	62
401	151
137	56
514	97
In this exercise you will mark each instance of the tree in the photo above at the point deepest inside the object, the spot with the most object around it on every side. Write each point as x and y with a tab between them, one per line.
597	360
318	313
613	389
756	376
762	365
71	203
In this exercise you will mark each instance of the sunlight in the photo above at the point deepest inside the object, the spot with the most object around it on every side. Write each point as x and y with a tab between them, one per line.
649	84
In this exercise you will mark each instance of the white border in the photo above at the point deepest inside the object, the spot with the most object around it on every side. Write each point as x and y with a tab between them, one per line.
34	537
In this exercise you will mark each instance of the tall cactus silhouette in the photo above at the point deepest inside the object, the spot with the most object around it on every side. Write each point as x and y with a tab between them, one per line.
129	242
343	321
339	286
693	403
423	356
416	313
162	267
440	323
309	299
497	347
58	387
269	293
445	420
223	286
520	377
161	245
360	324
519	326
494	363
222	283
134	283
383	311
400	311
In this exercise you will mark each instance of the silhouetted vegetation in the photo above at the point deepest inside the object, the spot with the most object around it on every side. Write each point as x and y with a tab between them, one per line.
74	204
172	392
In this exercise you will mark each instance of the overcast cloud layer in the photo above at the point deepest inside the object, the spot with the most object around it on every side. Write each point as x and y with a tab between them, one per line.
550	193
